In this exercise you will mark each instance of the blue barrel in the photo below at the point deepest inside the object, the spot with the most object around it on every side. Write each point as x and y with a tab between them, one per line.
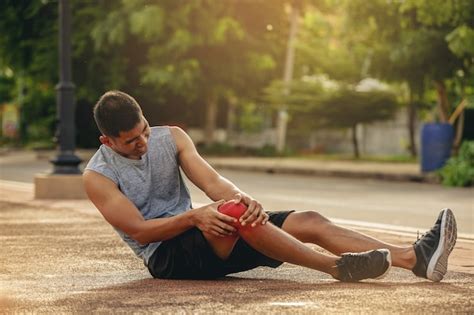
436	143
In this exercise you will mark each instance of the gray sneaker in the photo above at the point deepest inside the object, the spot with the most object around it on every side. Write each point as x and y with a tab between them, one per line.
433	248
373	264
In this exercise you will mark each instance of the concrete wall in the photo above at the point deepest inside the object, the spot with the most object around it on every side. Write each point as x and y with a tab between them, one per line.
389	137
378	138
247	140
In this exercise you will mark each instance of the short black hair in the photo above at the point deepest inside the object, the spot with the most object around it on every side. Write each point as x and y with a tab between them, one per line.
116	111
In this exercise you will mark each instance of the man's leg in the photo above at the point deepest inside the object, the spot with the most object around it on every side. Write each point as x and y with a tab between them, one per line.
277	244
311	227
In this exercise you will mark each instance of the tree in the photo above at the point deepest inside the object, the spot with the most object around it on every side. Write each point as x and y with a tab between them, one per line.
455	19
342	106
413	41
203	51
28	49
347	108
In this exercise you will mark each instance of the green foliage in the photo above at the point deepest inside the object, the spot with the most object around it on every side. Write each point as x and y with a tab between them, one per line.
299	95
402	48
347	107
271	151
459	170
250	119
461	41
217	149
325	47
196	51
330	104
188	50
38	115
28	42
178	56
7	85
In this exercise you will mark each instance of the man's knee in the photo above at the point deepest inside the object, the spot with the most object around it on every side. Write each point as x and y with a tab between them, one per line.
313	218
235	210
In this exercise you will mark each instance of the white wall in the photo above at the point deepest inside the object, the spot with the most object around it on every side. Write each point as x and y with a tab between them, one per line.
389	137
379	138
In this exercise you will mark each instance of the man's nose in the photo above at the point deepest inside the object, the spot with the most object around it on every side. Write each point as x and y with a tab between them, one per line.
142	141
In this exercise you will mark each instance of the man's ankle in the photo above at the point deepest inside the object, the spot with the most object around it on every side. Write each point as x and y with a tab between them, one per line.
334	272
406	258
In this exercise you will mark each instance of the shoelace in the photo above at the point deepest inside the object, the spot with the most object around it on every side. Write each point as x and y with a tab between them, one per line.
418	237
356	260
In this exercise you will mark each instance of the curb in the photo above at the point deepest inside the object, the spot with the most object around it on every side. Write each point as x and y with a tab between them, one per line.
421	178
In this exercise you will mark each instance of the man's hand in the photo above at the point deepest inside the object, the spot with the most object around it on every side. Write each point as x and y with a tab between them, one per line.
254	214
209	220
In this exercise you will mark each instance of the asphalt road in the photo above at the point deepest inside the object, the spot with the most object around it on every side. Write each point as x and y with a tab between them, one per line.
57	260
395	203
401	204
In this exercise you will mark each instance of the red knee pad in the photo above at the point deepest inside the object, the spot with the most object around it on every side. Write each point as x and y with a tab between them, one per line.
235	210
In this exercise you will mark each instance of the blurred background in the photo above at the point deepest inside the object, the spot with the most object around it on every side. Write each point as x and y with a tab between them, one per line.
338	79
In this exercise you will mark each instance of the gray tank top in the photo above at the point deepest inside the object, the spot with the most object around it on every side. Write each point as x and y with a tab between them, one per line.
153	184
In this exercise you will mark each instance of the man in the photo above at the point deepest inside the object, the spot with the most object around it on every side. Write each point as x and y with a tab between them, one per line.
134	180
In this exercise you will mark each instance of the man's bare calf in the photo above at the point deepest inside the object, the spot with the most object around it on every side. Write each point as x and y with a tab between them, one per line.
276	243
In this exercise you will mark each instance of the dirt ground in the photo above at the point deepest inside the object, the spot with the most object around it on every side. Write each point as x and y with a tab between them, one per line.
60	260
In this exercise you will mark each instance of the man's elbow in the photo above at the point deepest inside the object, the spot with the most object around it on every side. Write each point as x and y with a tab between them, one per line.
137	232
140	236
215	187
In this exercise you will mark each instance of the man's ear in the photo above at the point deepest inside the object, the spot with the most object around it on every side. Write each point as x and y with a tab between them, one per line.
105	140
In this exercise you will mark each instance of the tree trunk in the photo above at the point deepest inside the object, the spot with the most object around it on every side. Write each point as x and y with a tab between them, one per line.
460	121
458	136
355	143
282	118
412	125
21	99
443	103
232	100
211	118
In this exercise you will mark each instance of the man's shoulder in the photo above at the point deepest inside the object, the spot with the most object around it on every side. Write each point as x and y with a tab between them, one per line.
102	163
100	156
161	130
167	129
180	137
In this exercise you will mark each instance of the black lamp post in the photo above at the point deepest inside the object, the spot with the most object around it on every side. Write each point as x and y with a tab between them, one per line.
65	162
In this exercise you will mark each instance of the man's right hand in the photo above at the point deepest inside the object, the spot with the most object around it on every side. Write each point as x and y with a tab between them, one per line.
209	220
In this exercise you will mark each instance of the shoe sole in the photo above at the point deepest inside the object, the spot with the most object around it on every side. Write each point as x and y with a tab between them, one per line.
388	257
438	265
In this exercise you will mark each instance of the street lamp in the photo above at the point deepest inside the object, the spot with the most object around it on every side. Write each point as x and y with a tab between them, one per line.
65	162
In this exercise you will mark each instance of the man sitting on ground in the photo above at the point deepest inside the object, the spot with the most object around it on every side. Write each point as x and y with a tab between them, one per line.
134	180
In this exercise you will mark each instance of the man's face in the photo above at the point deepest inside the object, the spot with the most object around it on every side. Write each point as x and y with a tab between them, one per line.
131	144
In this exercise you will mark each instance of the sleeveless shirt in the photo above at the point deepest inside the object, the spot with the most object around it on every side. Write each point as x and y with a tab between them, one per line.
154	183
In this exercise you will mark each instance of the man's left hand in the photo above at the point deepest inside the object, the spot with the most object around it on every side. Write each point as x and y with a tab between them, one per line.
254	214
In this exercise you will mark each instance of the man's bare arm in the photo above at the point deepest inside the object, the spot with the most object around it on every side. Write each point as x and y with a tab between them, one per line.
199	171
121	213
208	180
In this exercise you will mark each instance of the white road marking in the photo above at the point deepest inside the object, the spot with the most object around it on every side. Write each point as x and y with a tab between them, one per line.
305	304
17	185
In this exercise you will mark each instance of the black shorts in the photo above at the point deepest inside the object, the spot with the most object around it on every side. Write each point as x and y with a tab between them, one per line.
189	256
